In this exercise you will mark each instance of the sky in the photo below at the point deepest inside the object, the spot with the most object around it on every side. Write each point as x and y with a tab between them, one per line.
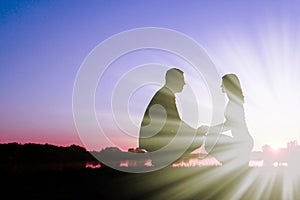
44	43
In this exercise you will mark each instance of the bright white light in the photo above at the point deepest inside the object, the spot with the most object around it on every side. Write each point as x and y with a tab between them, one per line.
268	68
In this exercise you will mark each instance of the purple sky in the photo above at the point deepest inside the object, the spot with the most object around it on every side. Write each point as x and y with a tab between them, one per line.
43	44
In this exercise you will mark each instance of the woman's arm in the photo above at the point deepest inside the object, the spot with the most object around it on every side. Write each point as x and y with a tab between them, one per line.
222	127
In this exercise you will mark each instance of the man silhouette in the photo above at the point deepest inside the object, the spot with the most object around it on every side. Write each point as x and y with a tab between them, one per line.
161	121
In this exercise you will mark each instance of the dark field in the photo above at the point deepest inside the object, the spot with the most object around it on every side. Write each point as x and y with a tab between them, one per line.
168	183
48	172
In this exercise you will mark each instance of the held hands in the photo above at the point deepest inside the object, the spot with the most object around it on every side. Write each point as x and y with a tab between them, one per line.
202	130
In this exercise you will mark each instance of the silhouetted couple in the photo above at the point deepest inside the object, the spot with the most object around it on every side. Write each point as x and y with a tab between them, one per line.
161	124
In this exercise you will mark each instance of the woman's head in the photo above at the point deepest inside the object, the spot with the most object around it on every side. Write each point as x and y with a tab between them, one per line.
232	87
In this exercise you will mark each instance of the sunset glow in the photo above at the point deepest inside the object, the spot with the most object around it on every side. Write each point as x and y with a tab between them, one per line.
41	56
97	122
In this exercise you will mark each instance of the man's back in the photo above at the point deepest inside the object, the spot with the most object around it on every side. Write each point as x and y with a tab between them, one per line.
161	121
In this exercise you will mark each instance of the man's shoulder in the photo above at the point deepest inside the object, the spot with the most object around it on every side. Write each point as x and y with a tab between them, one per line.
164	91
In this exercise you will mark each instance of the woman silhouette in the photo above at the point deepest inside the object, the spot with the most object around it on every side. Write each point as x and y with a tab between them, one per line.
236	149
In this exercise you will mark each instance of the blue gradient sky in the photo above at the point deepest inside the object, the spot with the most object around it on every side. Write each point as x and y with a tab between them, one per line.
43	43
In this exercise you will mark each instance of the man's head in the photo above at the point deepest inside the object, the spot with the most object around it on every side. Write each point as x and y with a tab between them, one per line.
175	80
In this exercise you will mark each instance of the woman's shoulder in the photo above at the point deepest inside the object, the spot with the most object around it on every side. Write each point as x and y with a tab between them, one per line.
234	111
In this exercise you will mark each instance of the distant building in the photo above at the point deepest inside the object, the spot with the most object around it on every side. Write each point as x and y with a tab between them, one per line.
289	156
293	154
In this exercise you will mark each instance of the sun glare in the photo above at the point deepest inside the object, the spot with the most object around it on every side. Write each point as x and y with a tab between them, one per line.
276	146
